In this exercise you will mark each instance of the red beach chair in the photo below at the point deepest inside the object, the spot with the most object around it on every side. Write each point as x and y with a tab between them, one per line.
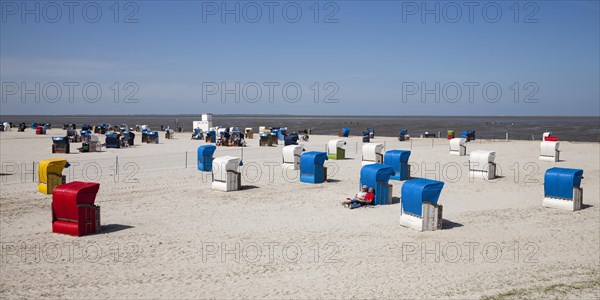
73	209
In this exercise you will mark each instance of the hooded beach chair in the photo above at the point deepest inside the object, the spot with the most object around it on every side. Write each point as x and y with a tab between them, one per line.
458	146
403	134
50	174
205	157
312	169
450	134
398	160
249	133
376	176
335	149
152	137
345	132
372	153
469	135
482	165
420	209
226	174
112	140
549	151
60	145
291	156
562	188
73	209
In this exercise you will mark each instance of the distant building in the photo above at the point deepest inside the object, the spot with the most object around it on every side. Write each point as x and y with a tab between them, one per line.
205	124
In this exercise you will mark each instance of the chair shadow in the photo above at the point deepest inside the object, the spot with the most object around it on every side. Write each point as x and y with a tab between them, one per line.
113	228
6	174
333	180
248	187
446	224
395	200
584	206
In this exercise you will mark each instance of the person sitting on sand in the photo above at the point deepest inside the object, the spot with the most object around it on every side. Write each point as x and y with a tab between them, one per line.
359	196
366	200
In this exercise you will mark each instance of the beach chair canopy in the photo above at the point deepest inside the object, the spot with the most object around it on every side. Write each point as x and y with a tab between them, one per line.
374	174
559	182
60	139
480	158
291	151
456	143
371	150
334	144
417	191
66	198
395	158
308	160
224	164
51	166
345	131
206	150
469	133
548	148
403	131
291	139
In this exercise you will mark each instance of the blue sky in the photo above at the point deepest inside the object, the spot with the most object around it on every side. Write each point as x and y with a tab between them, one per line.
363	57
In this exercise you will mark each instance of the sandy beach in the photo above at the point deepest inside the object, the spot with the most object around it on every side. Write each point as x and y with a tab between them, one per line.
166	234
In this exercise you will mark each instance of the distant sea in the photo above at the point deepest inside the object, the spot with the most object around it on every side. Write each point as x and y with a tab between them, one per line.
523	128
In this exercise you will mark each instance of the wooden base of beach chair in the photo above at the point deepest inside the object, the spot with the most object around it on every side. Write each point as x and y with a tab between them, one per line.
566	204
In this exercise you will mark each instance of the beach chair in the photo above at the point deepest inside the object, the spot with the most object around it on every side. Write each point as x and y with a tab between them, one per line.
264	139
372	153
481	164
205	157
420	209
50	174
376	176
226	174
469	135
345	132
73	209
398	160
545	135
458	146
60	145
403	135
291	156
450	134
335	149
249	133
112	140
40	130
152	137
371	132
549	151
312	169
562	188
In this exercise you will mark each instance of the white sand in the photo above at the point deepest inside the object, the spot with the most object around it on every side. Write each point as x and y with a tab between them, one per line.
158	232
